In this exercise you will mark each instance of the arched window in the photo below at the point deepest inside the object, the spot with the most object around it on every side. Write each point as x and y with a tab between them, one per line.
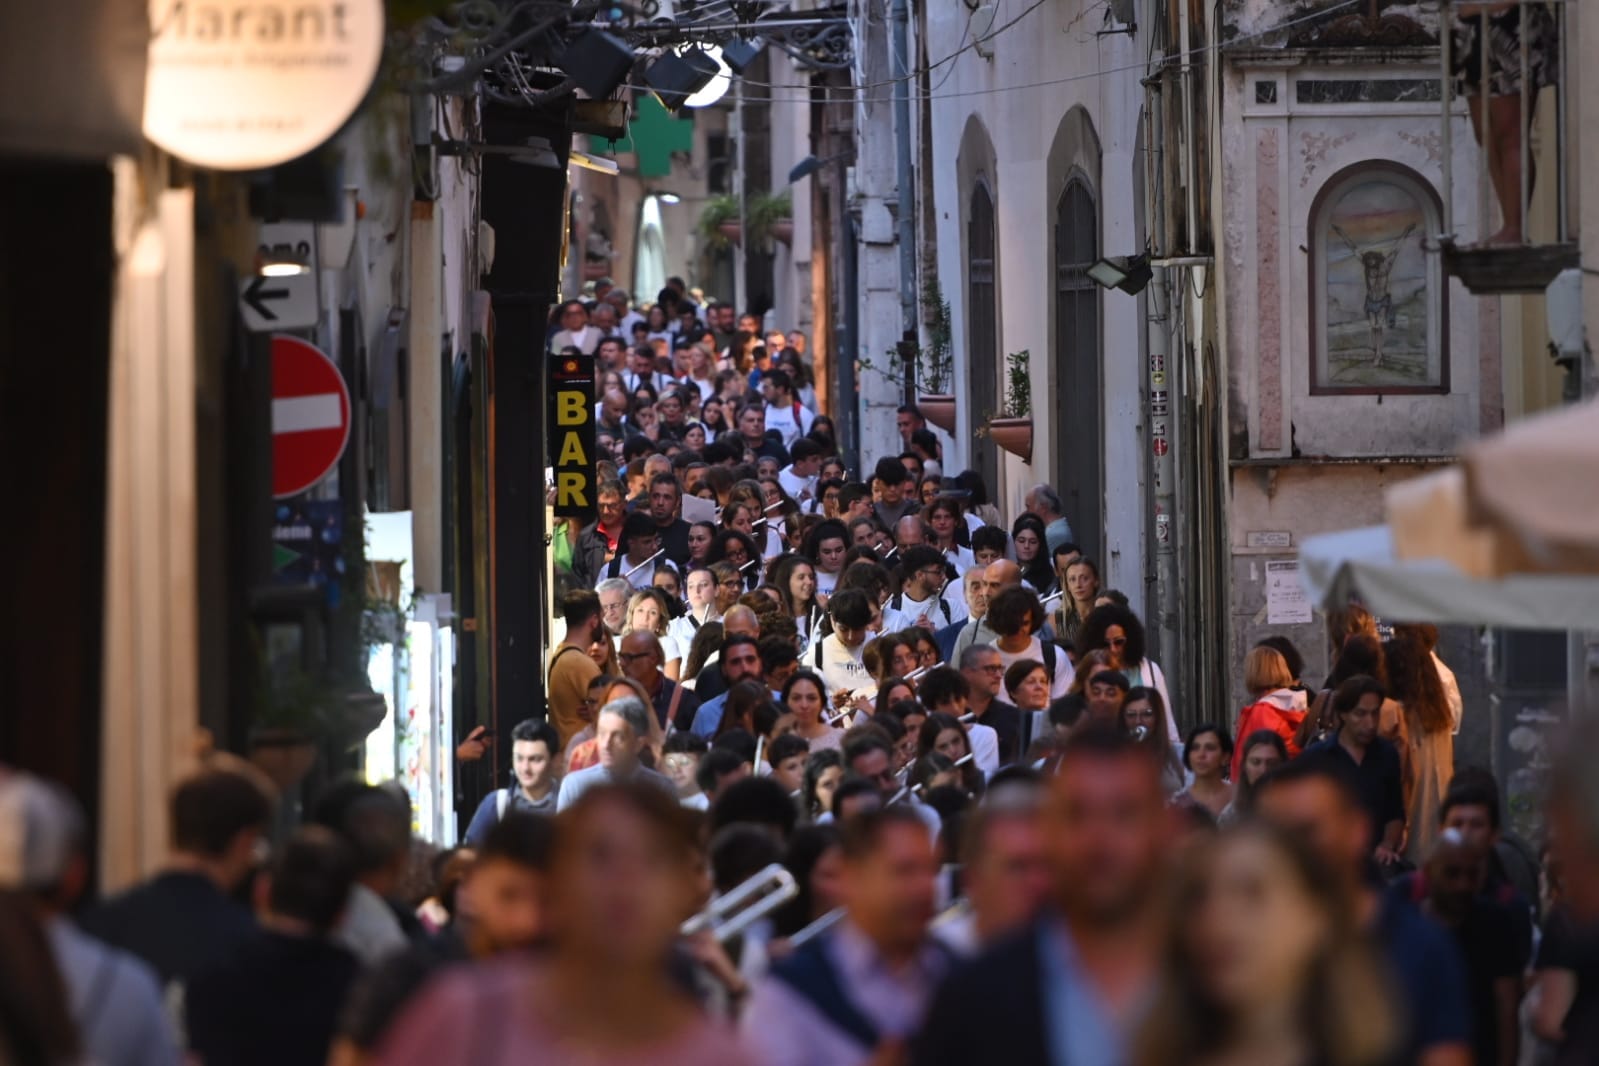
1378	299
1079	458
982	325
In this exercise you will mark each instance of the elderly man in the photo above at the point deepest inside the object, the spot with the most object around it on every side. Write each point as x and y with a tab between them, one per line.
613	593
974	589
1043	501
996	577
641	659
621	303
575	331
621	730
984	670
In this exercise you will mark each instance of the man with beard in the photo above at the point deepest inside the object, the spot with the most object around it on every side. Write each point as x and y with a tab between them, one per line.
1092	956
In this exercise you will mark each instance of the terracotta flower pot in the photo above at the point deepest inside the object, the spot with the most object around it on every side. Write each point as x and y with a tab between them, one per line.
284	755
939	409
732	230
782	230
1015	435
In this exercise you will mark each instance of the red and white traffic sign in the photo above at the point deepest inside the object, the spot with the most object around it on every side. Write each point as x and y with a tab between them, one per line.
310	416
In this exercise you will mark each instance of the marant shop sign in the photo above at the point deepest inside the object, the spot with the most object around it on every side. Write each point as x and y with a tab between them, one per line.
246	84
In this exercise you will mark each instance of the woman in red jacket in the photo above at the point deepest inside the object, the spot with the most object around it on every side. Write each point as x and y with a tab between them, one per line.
1277	707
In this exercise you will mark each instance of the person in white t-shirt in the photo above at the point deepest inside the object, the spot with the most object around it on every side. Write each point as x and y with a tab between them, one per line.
837	656
799	477
921	597
783	412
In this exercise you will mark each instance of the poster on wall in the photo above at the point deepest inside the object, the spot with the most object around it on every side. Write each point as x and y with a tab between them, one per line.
1378	294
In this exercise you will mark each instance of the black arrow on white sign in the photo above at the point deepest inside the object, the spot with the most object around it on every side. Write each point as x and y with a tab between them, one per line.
255	297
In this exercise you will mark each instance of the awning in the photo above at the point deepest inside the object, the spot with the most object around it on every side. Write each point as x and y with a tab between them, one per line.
1360	564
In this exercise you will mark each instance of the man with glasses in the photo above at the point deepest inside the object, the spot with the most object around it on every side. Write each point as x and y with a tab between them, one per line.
984	671
641	659
613	593
921	596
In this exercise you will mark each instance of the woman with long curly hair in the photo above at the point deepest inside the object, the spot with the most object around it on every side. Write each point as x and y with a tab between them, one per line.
1414	682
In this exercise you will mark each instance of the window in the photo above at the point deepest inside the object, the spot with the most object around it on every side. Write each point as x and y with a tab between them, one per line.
1378	299
982	324
1078	449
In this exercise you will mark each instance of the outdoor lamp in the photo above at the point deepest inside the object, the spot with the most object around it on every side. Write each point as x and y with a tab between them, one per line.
1129	273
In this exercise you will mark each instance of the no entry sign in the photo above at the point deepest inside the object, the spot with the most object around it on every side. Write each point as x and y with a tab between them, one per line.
310	416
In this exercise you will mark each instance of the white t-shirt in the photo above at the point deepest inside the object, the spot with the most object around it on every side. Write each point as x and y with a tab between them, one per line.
841	667
984	743
961	559
792	422
825	582
795	485
953	609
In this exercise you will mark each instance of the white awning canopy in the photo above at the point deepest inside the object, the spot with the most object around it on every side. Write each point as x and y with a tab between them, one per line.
1360	564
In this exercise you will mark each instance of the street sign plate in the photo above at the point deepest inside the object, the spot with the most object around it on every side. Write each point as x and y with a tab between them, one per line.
310	416
270	304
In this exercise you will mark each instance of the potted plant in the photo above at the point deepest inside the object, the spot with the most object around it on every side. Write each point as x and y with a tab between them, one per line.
292	714
773	215
1012	429
720	221
935	362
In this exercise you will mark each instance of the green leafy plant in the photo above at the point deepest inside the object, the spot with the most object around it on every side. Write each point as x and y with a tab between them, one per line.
766	209
717	211
1018	385
936	361
933	362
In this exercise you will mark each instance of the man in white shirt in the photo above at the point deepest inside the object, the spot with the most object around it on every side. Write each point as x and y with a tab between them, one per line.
837	656
921	596
575	330
799	477
783	412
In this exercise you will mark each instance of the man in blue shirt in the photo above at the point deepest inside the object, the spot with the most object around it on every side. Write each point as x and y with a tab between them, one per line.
1316	799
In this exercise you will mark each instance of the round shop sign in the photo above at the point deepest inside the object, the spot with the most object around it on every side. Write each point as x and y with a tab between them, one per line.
247	84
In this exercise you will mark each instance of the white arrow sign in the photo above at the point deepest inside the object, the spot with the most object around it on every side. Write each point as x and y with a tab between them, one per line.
271	304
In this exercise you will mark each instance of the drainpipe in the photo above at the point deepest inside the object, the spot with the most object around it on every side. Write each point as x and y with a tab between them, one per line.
846	402
1162	437
899	55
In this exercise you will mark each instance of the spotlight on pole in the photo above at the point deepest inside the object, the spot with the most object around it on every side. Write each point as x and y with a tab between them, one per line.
675	77
597	61
1129	273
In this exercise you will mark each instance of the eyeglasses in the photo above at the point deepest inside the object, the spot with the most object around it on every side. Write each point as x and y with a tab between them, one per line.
730	583
1117	642
993	668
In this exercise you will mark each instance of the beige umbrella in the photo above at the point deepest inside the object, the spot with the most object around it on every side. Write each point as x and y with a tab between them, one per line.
1538	484
1525	501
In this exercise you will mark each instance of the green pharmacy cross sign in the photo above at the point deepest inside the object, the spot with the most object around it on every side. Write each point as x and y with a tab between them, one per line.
653	135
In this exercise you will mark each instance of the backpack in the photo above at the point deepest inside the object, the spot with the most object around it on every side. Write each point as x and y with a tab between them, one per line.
898	602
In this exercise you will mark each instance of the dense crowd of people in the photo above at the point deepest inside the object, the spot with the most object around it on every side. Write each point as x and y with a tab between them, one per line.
931	751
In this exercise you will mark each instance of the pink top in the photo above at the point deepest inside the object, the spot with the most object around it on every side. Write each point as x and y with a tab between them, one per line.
471	1017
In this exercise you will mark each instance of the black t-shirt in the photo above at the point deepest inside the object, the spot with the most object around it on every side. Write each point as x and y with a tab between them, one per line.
179	923
1380	776
1006	721
1487	940
1568	946
274	1003
674	540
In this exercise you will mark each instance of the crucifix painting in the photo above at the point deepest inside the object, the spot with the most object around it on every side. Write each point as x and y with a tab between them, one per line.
1377	292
